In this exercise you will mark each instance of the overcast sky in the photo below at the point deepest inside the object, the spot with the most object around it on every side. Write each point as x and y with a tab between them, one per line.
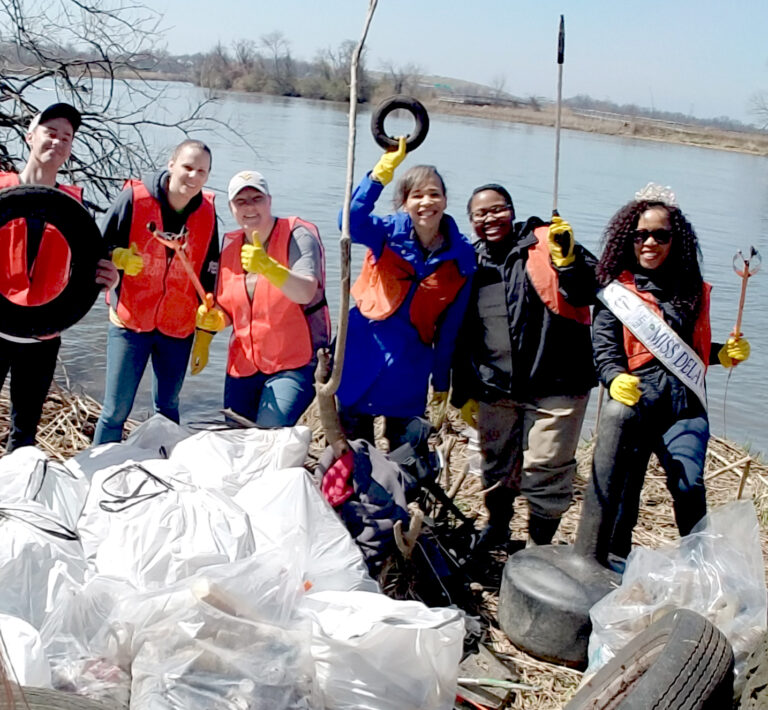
705	57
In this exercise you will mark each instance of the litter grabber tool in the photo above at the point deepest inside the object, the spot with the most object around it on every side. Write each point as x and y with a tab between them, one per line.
178	242
744	267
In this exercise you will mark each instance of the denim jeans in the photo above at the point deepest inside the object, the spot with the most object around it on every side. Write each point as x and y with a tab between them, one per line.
626	438
127	355
32	366
271	400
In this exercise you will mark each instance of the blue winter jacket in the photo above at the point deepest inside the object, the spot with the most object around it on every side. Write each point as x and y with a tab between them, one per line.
387	367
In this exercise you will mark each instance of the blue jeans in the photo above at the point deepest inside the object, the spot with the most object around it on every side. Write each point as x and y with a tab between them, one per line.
625	440
127	355
271	400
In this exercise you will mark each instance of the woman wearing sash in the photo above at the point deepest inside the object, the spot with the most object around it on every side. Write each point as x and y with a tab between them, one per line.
654	373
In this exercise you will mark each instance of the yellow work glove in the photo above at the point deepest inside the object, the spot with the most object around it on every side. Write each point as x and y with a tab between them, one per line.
200	346
384	170
736	350
560	242
625	388
469	412
128	260
255	259
210	319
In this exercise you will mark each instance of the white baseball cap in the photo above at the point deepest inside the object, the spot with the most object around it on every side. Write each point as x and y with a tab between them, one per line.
247	178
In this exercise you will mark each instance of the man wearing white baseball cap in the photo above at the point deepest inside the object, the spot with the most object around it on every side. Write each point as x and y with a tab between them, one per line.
271	288
35	269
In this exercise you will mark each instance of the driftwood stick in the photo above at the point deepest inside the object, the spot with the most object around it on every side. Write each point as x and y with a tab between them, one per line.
326	406
407	541
728	467
459	480
744	477
330	387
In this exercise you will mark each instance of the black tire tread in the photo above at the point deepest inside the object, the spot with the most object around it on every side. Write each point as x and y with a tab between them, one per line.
699	674
681	662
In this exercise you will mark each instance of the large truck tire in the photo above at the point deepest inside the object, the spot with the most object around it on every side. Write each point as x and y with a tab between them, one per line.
681	662
86	245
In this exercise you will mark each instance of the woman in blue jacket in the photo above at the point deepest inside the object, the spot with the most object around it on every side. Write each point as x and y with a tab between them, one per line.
410	300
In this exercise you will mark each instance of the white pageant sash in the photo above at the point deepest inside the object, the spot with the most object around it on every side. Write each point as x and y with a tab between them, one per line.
653	332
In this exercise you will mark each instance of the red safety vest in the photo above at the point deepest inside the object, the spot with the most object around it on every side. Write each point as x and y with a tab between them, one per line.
544	278
162	296
638	354
384	283
270	332
49	273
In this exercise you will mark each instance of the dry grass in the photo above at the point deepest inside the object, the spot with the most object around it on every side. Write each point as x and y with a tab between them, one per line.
69	419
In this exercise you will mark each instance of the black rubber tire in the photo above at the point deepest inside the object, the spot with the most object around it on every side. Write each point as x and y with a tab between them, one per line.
682	662
392	103
755	693
86	246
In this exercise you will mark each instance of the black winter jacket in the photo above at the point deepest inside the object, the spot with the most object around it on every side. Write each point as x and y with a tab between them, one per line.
116	226
511	344
656	381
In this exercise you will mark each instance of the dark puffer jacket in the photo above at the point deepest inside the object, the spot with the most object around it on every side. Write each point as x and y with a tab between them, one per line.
513	346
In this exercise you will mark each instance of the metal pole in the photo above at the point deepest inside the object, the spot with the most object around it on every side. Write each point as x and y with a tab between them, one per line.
560	62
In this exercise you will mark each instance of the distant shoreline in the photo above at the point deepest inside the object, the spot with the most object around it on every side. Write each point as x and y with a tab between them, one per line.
621	126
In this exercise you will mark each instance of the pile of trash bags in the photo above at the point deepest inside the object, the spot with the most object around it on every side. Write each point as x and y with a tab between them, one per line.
204	571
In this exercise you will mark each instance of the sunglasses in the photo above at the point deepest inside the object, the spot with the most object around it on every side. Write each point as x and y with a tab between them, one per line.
660	236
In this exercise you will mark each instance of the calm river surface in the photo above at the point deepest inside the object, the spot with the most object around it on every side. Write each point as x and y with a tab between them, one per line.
300	146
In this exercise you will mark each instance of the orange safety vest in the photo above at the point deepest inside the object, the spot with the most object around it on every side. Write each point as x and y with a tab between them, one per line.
638	354
270	332
544	278
49	274
384	284
161	296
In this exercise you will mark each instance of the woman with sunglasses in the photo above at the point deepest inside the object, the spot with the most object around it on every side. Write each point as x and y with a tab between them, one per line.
523	369
654	372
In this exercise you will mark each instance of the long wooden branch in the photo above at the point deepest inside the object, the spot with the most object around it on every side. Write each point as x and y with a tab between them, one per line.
329	388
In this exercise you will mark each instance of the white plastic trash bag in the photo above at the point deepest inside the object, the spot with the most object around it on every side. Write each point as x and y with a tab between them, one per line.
287	510
40	558
716	571
27	474
22	653
376	653
225	639
76	642
143	527
227	460
153	439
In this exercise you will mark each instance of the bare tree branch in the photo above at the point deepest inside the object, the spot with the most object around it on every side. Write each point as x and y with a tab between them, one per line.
94	54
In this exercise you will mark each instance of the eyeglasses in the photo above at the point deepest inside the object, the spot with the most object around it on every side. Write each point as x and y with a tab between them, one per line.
495	211
660	236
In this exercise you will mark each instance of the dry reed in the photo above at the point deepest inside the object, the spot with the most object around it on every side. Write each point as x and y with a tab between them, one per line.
69	419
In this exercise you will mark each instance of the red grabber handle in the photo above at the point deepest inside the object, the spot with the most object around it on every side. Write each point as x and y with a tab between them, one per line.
178	247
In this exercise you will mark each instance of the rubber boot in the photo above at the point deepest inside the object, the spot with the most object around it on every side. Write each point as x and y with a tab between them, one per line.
500	505
541	530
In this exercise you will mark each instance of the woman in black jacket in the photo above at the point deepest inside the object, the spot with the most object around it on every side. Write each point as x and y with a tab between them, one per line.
654	373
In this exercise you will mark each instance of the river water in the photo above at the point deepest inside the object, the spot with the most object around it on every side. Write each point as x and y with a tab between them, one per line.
300	146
